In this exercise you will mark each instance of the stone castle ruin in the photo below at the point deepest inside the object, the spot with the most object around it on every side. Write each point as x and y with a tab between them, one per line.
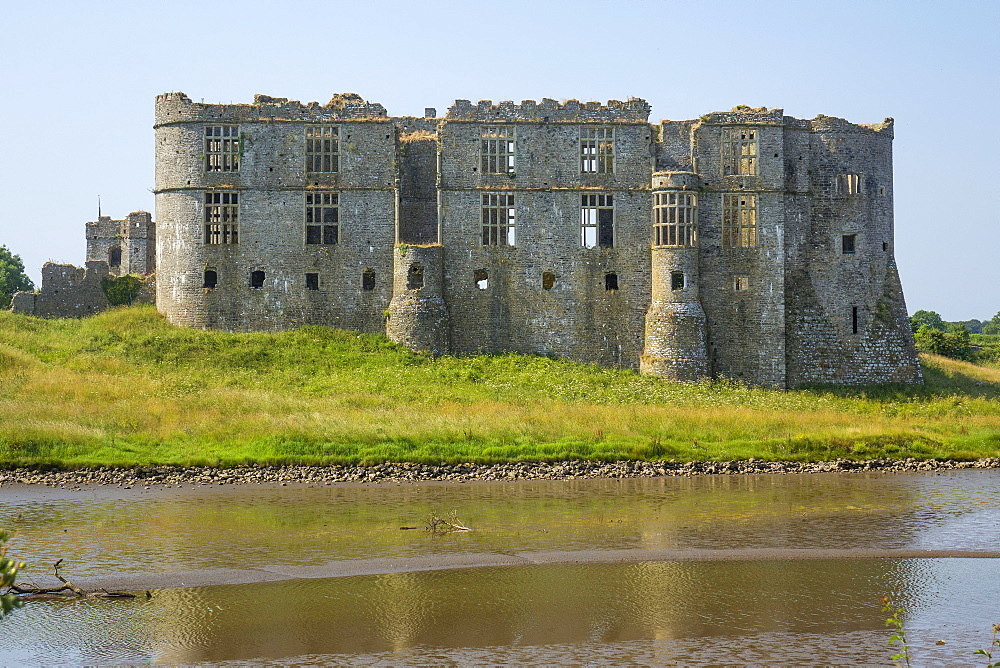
115	248
745	244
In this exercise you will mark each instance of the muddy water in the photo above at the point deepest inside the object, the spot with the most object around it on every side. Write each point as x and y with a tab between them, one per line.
711	570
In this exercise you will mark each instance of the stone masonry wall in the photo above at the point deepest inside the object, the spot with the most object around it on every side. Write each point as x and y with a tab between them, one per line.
792	308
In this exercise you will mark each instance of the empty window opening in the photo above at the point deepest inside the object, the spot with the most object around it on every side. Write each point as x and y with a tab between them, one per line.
498	219
881	190
739	152
322	148
854	319
548	280
610	282
211	279
675	219
847	184
222	148
497	149
597	150
368	279
115	257
739	220
322	218
885	246
847	243
312	281
741	283
677	280
415	277
597	221
482	278
257	279
222	212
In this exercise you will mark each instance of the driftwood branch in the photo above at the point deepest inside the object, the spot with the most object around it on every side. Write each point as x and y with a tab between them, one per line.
65	590
439	525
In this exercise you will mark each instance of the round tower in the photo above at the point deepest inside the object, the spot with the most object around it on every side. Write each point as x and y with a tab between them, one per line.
675	322
417	317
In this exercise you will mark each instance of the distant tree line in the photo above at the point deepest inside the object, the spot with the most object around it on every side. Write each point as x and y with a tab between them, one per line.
955	339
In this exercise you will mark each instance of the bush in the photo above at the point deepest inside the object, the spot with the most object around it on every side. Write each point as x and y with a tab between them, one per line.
954	343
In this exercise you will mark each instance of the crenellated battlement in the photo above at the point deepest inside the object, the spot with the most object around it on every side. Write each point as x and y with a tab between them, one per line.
634	110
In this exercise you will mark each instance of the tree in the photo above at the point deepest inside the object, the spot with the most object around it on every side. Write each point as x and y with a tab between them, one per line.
992	326
12	277
953	343
8	571
928	318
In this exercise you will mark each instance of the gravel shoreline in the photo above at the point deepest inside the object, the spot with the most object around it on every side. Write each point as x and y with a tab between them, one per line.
169	476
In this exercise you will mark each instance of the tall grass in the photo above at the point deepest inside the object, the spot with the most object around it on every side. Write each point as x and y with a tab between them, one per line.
126	388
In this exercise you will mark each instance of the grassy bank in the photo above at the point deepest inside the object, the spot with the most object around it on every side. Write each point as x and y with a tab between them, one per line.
126	388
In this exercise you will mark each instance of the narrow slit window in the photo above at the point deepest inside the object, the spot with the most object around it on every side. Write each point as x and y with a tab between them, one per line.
739	220
497	149
322	218
481	277
312	281
222	148
677	280
368	280
222	212
257	279
597	150
322	149
597	221
854	319
739	152
415	277
675	219
611	282
211	279
498	215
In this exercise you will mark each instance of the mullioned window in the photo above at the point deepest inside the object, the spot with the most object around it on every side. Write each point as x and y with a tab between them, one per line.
222	212
222	148
597	221
498	216
322	218
739	152
322	149
497	149
675	219
597	150
739	220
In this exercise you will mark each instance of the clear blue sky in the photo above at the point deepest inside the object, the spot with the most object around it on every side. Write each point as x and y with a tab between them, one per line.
77	82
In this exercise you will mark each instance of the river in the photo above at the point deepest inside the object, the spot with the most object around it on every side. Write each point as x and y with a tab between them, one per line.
706	569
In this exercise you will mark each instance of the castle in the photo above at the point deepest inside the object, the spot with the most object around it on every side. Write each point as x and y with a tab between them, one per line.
745	244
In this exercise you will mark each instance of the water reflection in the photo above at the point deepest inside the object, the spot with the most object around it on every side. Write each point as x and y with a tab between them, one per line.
696	612
167	531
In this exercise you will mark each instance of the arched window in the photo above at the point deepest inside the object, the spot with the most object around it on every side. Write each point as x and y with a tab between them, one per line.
211	279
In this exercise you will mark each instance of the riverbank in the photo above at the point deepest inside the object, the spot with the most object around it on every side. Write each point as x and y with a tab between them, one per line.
126	389
172	476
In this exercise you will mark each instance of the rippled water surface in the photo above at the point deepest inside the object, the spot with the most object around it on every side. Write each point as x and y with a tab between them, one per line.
709	611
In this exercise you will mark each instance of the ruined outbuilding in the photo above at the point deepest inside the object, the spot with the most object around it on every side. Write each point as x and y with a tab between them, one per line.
746	244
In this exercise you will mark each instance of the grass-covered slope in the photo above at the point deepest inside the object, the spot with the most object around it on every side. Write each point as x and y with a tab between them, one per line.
126	388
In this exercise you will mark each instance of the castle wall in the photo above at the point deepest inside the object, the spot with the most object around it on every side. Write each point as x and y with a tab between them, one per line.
746	328
848	321
272	185
66	292
576	315
786	305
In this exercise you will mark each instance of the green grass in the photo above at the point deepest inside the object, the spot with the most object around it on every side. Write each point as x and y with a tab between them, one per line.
126	388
